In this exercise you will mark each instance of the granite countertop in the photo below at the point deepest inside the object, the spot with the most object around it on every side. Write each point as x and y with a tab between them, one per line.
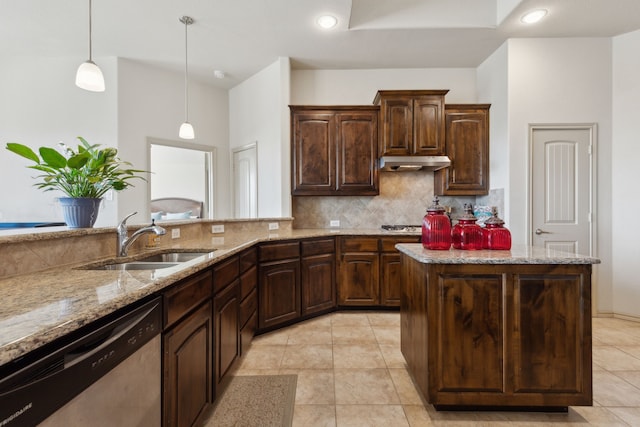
38	308
519	254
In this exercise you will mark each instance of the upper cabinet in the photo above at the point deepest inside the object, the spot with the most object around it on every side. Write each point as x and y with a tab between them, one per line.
467	145
334	150
412	122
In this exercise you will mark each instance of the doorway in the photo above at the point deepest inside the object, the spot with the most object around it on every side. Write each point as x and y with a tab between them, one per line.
562	193
245	181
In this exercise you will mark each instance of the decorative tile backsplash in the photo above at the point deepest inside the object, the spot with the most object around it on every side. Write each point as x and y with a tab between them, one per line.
403	199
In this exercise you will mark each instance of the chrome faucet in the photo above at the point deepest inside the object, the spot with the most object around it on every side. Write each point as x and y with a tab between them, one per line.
124	241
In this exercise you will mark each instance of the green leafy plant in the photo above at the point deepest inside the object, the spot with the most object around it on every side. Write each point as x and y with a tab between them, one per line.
86	172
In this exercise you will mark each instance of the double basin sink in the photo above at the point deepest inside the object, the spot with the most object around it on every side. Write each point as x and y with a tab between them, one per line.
153	262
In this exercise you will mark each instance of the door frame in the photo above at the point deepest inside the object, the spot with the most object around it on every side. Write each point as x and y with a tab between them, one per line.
593	133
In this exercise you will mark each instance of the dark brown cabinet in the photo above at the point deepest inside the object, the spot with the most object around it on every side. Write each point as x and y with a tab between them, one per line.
334	150
412	122
467	145
317	275
248	297
369	271
226	316
187	351
278	284
498	335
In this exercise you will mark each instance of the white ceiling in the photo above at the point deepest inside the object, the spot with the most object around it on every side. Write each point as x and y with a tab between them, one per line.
243	36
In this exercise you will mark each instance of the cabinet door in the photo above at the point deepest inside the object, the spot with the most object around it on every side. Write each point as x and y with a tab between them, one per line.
278	293
359	282
357	153
466	313
313	152
187	369
550	345
428	126
318	283
390	279
226	313
467	145
397	126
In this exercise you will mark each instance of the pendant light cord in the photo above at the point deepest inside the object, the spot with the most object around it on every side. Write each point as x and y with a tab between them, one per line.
186	72
90	40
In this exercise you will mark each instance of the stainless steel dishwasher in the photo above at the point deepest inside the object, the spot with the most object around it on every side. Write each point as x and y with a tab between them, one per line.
110	375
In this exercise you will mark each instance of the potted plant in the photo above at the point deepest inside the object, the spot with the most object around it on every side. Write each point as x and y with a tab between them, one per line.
83	175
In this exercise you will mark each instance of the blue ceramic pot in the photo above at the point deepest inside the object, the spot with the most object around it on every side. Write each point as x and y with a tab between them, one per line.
79	212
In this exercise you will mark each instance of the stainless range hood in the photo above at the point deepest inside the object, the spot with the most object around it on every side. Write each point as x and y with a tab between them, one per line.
412	163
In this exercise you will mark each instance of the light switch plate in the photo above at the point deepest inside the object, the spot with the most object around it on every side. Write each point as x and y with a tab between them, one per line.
175	233
218	228
334	223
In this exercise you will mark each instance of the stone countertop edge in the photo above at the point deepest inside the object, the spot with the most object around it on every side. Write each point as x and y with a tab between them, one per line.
37	308
519	254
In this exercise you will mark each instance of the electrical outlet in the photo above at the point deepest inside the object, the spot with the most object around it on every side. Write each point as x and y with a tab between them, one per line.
175	233
217	241
218	228
334	223
274	226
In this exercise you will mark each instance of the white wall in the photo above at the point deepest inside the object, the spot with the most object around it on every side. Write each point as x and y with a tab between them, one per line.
359	87
492	83
40	105
624	172
257	112
151	104
562	81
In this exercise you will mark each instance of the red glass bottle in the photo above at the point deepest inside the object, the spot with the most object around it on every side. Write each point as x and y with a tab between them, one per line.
436	228
466	234
495	236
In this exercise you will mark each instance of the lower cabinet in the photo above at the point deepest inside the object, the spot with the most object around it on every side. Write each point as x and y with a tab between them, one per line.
187	352
369	271
226	315
279	293
248	297
318	275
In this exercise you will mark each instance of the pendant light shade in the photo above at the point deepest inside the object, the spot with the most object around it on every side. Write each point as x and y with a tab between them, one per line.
186	129
89	76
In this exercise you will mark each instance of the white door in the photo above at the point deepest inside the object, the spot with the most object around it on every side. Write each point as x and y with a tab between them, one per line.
562	187
245	181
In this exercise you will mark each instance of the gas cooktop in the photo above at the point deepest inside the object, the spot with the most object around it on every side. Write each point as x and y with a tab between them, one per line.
402	228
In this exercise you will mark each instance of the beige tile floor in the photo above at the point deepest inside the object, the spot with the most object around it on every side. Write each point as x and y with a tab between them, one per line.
351	373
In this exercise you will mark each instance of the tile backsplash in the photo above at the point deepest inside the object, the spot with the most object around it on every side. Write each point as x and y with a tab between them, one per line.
403	199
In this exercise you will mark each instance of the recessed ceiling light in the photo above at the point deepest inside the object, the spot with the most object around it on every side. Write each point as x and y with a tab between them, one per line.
533	16
327	21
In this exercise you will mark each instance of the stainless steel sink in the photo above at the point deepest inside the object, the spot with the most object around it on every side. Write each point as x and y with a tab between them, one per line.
173	257
151	262
136	265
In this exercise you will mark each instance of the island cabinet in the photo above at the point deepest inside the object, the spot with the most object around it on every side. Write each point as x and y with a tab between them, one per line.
334	150
467	145
226	315
498	335
411	122
278	284
369	271
187	351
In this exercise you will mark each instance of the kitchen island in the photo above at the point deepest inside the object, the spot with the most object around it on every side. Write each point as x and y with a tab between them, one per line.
497	329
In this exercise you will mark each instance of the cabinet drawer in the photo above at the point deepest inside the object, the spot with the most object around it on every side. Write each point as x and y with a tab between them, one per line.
225	273
317	247
359	244
185	296
276	251
388	244
248	306
248	259
248	282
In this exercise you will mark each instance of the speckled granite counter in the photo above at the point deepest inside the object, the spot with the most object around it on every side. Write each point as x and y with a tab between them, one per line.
40	307
519	254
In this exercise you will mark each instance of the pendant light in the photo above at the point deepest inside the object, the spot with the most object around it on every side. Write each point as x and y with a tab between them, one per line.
186	130
89	76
